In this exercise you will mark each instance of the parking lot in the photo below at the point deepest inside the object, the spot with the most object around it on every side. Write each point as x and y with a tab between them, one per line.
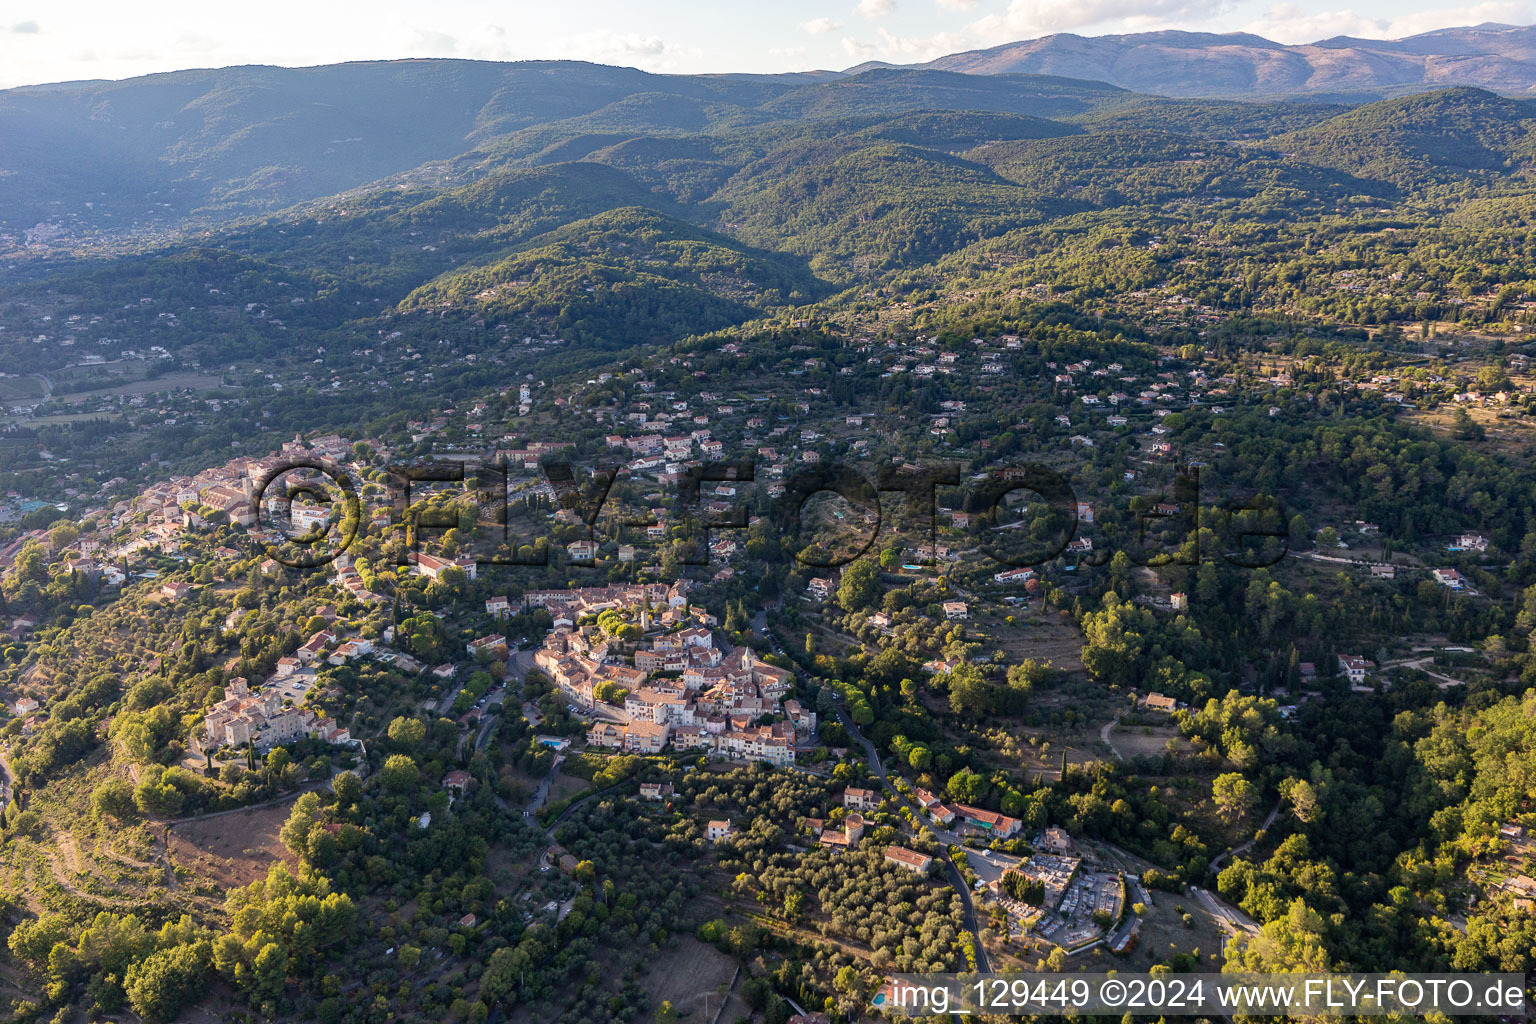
989	865
296	687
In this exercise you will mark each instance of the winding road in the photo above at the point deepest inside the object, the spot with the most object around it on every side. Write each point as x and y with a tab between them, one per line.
1104	734
1229	915
1419	663
1245	847
5	779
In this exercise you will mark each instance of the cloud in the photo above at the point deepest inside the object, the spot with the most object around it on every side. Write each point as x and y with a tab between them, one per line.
956	5
1289	23
26	28
620	46
1027	19
859	50
888	46
820	26
634	45
429	43
876	8
494	42
625	45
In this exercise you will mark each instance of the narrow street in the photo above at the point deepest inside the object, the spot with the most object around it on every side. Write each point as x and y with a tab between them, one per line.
1245	847
1229	916
1106	732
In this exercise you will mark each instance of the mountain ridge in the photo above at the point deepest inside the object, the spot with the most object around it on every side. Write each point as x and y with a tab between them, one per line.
207	146
117	163
1500	58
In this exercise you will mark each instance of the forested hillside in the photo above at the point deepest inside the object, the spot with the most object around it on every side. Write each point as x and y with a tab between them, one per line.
1237	208
629	275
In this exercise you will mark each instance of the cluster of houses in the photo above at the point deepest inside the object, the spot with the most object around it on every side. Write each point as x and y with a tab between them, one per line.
856	801
160	516
345	578
844	837
651	448
682	690
965	818
231	489
158	520
260	719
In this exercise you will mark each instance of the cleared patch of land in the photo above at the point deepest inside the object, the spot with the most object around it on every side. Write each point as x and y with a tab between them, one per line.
693	977
1135	741
233	849
1041	635
20	388
567	786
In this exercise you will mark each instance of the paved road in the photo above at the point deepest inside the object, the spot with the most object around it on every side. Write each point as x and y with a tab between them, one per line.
543	791
308	787
541	794
1362	563
1230	916
1104	735
1419	664
5	779
486	725
606	713
481	735
521	663
1245	847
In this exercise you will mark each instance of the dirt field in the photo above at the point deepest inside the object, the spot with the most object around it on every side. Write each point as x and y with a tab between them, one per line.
20	389
235	849
566	786
693	977
1135	741
98	386
505	871
1047	766
81	417
1042	635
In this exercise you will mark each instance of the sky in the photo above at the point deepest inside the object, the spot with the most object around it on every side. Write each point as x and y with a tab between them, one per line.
67	40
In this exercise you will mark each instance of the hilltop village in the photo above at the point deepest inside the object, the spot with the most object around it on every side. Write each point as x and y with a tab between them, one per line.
679	689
